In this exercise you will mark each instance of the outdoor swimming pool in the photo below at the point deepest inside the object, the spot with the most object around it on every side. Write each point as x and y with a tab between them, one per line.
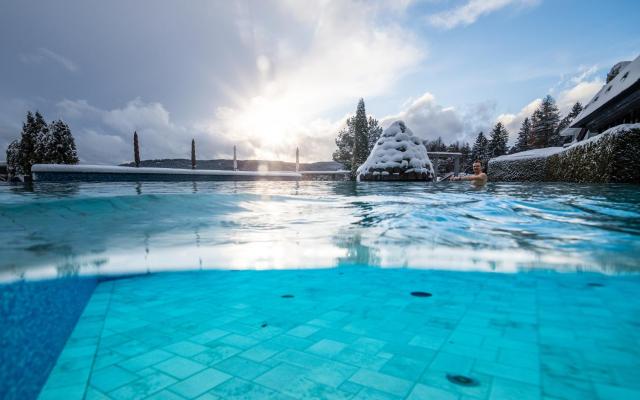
533	290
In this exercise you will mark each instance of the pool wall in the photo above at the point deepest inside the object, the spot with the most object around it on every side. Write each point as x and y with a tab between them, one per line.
36	319
611	157
102	173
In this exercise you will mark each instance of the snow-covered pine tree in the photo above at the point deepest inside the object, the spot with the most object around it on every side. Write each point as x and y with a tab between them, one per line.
360	138
544	123
522	143
344	142
373	133
498	141
33	140
61	147
480	149
136	149
14	162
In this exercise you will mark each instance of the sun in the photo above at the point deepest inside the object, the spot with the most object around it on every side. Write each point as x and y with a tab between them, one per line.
270	123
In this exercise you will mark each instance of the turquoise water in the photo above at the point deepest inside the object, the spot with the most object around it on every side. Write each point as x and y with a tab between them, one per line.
61	229
285	290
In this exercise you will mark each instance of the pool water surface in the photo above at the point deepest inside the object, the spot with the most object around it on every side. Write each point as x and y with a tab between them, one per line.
314	290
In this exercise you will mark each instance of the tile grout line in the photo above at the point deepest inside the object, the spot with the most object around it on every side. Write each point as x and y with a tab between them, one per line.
95	354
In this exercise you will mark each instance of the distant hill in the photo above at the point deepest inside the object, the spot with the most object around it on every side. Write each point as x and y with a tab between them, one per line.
243	165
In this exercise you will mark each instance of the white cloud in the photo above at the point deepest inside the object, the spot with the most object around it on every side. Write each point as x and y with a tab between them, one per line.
430	120
106	136
582	92
512	122
305	78
580	87
42	55
469	12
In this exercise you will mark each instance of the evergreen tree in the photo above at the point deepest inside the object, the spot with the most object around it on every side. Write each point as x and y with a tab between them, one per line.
136	149
465	160
14	162
536	127
480	150
544	124
498	142
367	130
436	145
373	133
566	121
522	143
193	154
360	137
41	143
60	145
344	142
32	142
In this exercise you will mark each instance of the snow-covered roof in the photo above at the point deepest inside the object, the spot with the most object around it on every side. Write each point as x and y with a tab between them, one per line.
627	76
398	148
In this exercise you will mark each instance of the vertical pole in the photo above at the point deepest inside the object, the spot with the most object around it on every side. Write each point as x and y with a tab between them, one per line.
297	159
456	165
435	166
235	159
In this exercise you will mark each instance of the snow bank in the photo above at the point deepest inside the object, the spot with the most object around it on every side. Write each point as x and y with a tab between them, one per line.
398	154
611	156
535	153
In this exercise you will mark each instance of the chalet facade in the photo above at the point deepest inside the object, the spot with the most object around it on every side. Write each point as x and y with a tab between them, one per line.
618	102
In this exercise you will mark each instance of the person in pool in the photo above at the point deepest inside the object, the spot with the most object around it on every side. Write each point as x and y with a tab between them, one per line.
478	176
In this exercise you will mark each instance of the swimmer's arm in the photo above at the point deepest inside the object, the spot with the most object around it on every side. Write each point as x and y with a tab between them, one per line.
481	177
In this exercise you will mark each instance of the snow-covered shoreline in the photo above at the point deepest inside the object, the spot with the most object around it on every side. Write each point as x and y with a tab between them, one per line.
45	172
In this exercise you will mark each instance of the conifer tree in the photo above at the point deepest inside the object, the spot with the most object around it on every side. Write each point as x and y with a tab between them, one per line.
41	143
32	142
466	155
480	150
373	133
544	124
136	149
360	137
344	142
566	121
498	141
14	162
193	154
352	153
60	146
522	143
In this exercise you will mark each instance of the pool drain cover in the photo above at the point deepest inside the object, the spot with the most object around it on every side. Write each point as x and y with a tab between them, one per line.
462	380
287	296
595	284
421	294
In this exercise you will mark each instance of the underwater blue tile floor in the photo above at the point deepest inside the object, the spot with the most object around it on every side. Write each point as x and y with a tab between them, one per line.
355	333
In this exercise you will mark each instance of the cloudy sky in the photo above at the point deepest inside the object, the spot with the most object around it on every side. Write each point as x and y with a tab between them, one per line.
270	75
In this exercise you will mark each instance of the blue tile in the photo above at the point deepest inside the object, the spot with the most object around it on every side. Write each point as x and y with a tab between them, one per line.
200	383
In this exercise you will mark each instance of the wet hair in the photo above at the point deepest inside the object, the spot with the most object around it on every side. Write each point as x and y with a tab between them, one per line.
478	162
